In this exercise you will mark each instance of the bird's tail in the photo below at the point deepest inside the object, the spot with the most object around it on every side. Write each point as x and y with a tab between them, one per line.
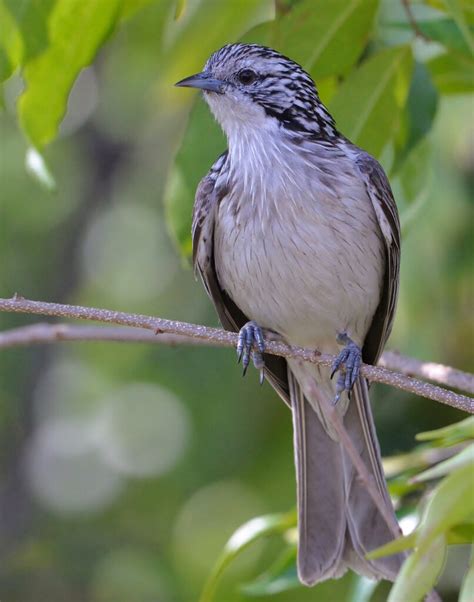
338	521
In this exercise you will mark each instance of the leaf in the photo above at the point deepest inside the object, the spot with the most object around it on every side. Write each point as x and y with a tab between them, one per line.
456	10
461	534
37	167
444	31
464	458
259	527
419	573
282	576
419	113
363	589
454	433
415	179
450	504
11	44
393	547
180	9
467	8
77	30
368	105
326	38
468	583
452	73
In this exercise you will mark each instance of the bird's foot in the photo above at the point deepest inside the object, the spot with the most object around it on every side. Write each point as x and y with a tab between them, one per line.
251	344
350	359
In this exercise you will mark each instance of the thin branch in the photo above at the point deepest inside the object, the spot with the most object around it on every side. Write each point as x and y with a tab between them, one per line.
411	18
220	337
438	373
45	332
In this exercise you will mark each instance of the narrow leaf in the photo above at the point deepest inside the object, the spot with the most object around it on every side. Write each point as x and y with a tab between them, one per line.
325	37
467	587
453	433
77	30
419	573
259	527
368	105
393	547
456	11
461	534
452	73
450	504
464	458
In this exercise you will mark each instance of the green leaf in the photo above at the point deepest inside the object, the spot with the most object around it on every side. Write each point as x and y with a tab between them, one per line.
419	572
461	534
444	31
467	8
468	583
463	458
419	113
452	73
11	43
450	504
255	529
280	577
456	9
454	433
326	38
37	167
393	547
415	179
368	105
180	9
77	30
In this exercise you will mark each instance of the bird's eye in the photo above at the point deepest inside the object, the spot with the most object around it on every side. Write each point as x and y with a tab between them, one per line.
247	76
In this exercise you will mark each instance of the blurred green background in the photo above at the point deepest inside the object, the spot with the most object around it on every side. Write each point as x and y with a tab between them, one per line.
125	467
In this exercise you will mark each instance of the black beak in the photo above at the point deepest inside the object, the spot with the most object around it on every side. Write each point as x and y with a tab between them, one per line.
204	81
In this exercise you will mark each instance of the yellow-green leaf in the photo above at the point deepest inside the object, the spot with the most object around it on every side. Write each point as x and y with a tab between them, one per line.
259	527
459	431
450	504
325	37
452	73
467	588
463	458
368	105
77	29
393	547
419	573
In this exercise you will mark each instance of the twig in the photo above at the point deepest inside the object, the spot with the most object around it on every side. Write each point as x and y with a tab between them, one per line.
439	373
217	336
411	18
44	332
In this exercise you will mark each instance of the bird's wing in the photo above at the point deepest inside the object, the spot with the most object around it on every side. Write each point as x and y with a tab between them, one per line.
208	196
380	193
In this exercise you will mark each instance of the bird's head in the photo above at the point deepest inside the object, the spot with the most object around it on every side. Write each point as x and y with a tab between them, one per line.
252	86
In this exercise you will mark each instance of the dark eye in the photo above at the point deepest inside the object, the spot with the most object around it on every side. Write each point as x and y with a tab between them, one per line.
247	76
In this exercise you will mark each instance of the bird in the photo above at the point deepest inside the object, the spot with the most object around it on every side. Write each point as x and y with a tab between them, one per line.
296	237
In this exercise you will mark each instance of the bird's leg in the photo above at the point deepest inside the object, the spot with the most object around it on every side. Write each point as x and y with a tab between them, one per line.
251	344
350	358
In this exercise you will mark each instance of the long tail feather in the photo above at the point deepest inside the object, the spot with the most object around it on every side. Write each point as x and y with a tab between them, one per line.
338	521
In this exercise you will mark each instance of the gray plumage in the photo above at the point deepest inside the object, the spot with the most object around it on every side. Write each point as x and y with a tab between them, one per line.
296	229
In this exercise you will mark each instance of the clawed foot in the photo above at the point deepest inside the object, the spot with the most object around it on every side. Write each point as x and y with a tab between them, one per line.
251	344
350	358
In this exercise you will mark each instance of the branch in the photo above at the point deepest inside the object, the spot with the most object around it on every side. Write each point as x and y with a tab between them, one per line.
208	336
45	332
411	18
438	373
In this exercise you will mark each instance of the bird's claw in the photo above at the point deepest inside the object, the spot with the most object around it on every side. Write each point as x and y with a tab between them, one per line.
350	358
251	345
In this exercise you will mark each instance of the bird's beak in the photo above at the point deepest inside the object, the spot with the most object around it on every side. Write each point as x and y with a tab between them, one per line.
204	81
